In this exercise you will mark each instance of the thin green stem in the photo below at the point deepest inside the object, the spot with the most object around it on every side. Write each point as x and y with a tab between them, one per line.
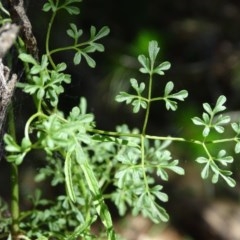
67	48
206	151
49	30
144	128
15	200
156	99
4	10
162	138
15	212
114	134
134	135
234	139
148	105
61	49
177	139
143	162
28	123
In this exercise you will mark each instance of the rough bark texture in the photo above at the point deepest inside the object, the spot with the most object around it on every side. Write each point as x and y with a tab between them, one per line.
8	34
19	16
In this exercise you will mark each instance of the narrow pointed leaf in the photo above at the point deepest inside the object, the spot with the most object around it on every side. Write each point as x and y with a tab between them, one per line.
68	178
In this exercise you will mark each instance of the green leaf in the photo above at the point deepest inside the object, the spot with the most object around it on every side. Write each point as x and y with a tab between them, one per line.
104	31
28	88
202	160
205	171
46	7
70	33
91	63
156	191
145	63
134	83
50	5
40	93
77	57
92	32
26	144
72	10
215	177
208	108
168	88
100	205
44	62
219	105
162	174
16	158
171	104
89	49
73	32
82	227
221	153
138	104
206	118
68	177
153	50
179	95
124	97
99	47
209	121
36	69
75	112
231	182
139	88
198	121
236	127
80	156
237	147
173	167
149	208
219	129
83	105
61	67
27	58
11	145
221	120
162	67
206	131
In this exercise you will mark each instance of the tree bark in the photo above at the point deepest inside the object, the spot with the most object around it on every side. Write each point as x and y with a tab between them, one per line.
8	34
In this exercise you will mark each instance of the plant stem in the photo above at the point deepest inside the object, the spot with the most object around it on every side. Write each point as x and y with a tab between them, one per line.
49	30
143	133
14	182
114	134
14	200
148	106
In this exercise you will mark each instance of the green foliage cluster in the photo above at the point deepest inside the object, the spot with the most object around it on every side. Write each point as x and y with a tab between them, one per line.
87	160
